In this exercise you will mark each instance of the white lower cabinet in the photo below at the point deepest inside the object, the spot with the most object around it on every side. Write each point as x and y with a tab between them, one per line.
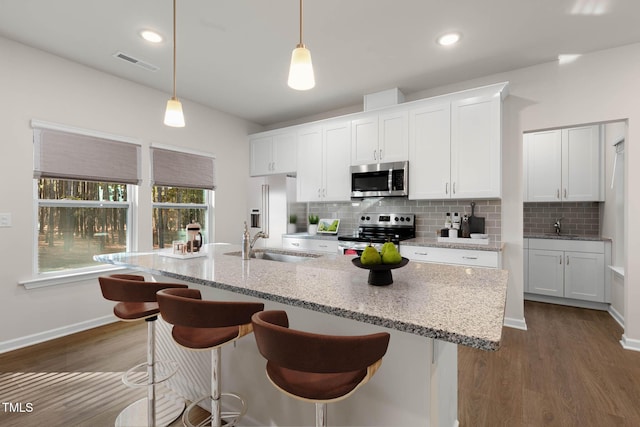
316	245
568	269
468	257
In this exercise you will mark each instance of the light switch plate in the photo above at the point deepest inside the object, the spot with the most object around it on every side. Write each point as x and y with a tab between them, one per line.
5	220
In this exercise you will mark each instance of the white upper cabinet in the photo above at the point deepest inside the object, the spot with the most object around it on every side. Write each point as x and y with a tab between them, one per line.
564	165
430	151
323	162
455	146
273	153
476	148
380	137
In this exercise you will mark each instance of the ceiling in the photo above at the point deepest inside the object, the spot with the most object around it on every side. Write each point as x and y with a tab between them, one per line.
233	55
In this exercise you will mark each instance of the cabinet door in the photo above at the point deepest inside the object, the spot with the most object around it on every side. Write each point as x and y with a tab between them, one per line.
284	153
582	164
546	272
476	156
261	155
542	151
310	165
393	137
584	276
364	140
337	159
429	152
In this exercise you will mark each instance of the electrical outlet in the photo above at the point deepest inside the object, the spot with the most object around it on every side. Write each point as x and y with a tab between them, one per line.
5	220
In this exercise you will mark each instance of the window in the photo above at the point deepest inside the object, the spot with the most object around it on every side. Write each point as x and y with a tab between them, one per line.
78	219
182	193
84	184
173	209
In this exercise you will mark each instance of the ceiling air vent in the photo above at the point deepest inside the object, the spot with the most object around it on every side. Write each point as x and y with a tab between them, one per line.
130	59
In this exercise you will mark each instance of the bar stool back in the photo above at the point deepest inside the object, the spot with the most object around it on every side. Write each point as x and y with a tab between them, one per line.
208	325
315	367
136	300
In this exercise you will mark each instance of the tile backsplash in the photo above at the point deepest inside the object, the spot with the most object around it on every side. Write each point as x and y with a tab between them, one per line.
580	218
430	214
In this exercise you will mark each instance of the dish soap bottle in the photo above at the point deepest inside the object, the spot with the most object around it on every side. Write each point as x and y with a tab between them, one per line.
465	227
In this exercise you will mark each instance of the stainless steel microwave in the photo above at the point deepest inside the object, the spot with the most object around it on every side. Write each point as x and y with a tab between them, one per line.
380	180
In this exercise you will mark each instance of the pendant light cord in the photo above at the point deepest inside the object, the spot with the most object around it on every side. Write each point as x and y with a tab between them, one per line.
301	44
174	49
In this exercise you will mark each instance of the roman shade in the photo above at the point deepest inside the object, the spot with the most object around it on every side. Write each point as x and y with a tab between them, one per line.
66	155
174	168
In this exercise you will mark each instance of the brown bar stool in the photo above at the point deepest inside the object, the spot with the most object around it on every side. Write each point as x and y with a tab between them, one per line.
137	301
313	367
208	325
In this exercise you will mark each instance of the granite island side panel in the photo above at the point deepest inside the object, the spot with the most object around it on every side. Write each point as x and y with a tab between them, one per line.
461	305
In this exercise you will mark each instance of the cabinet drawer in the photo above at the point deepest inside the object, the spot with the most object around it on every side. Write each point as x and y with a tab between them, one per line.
592	246
451	256
323	245
295	244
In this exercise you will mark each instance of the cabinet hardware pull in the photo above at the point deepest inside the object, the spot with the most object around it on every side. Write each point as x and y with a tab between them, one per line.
454	188
565	193
380	154
421	253
322	246
446	188
469	257
567	260
375	153
295	244
558	193
560	258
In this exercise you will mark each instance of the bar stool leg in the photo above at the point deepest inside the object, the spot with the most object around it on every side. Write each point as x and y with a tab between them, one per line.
321	415
151	373
216	367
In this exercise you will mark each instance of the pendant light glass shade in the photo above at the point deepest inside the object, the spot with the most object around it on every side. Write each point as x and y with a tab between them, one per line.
301	70
301	75
173	115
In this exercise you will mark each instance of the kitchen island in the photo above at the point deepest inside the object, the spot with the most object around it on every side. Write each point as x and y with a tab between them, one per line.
429	309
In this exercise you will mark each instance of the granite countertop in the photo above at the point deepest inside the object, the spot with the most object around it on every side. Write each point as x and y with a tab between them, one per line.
566	237
433	242
461	305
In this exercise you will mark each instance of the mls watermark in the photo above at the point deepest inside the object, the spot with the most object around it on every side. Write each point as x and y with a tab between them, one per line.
17	407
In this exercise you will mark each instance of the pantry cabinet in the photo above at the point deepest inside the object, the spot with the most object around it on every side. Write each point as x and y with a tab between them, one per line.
380	137
455	147
564	165
324	155
273	153
568	269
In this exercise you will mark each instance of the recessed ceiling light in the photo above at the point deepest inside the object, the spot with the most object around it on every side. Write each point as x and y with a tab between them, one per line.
567	59
151	36
449	39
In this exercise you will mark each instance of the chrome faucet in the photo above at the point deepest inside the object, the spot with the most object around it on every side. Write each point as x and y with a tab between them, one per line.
557	226
258	235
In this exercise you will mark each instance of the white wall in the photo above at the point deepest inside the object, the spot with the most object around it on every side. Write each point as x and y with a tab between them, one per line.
45	87
598	87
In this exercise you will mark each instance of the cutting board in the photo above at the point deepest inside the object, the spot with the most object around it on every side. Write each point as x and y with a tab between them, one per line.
476	223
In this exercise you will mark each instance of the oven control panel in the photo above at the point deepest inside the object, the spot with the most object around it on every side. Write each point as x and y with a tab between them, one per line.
387	220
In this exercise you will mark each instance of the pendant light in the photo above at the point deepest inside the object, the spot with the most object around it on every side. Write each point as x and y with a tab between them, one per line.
301	70
173	115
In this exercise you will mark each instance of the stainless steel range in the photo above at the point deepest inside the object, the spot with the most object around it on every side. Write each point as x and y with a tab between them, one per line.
378	228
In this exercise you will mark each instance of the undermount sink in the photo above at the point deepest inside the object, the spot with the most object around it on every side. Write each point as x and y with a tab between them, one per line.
277	255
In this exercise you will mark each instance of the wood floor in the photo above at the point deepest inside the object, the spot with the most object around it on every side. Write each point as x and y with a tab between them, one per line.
568	369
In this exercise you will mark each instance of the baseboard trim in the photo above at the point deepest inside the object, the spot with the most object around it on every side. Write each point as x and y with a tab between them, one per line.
630	344
40	337
511	322
616	316
603	306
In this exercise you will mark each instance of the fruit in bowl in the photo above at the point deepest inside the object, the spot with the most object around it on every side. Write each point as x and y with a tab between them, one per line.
370	256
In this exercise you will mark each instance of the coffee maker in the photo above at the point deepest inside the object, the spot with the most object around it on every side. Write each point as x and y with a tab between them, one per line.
194	237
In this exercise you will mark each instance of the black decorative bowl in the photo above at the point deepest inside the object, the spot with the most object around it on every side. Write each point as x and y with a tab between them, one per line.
380	274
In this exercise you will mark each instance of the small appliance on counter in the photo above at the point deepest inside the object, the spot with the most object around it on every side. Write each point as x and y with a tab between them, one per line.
194	237
377	228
